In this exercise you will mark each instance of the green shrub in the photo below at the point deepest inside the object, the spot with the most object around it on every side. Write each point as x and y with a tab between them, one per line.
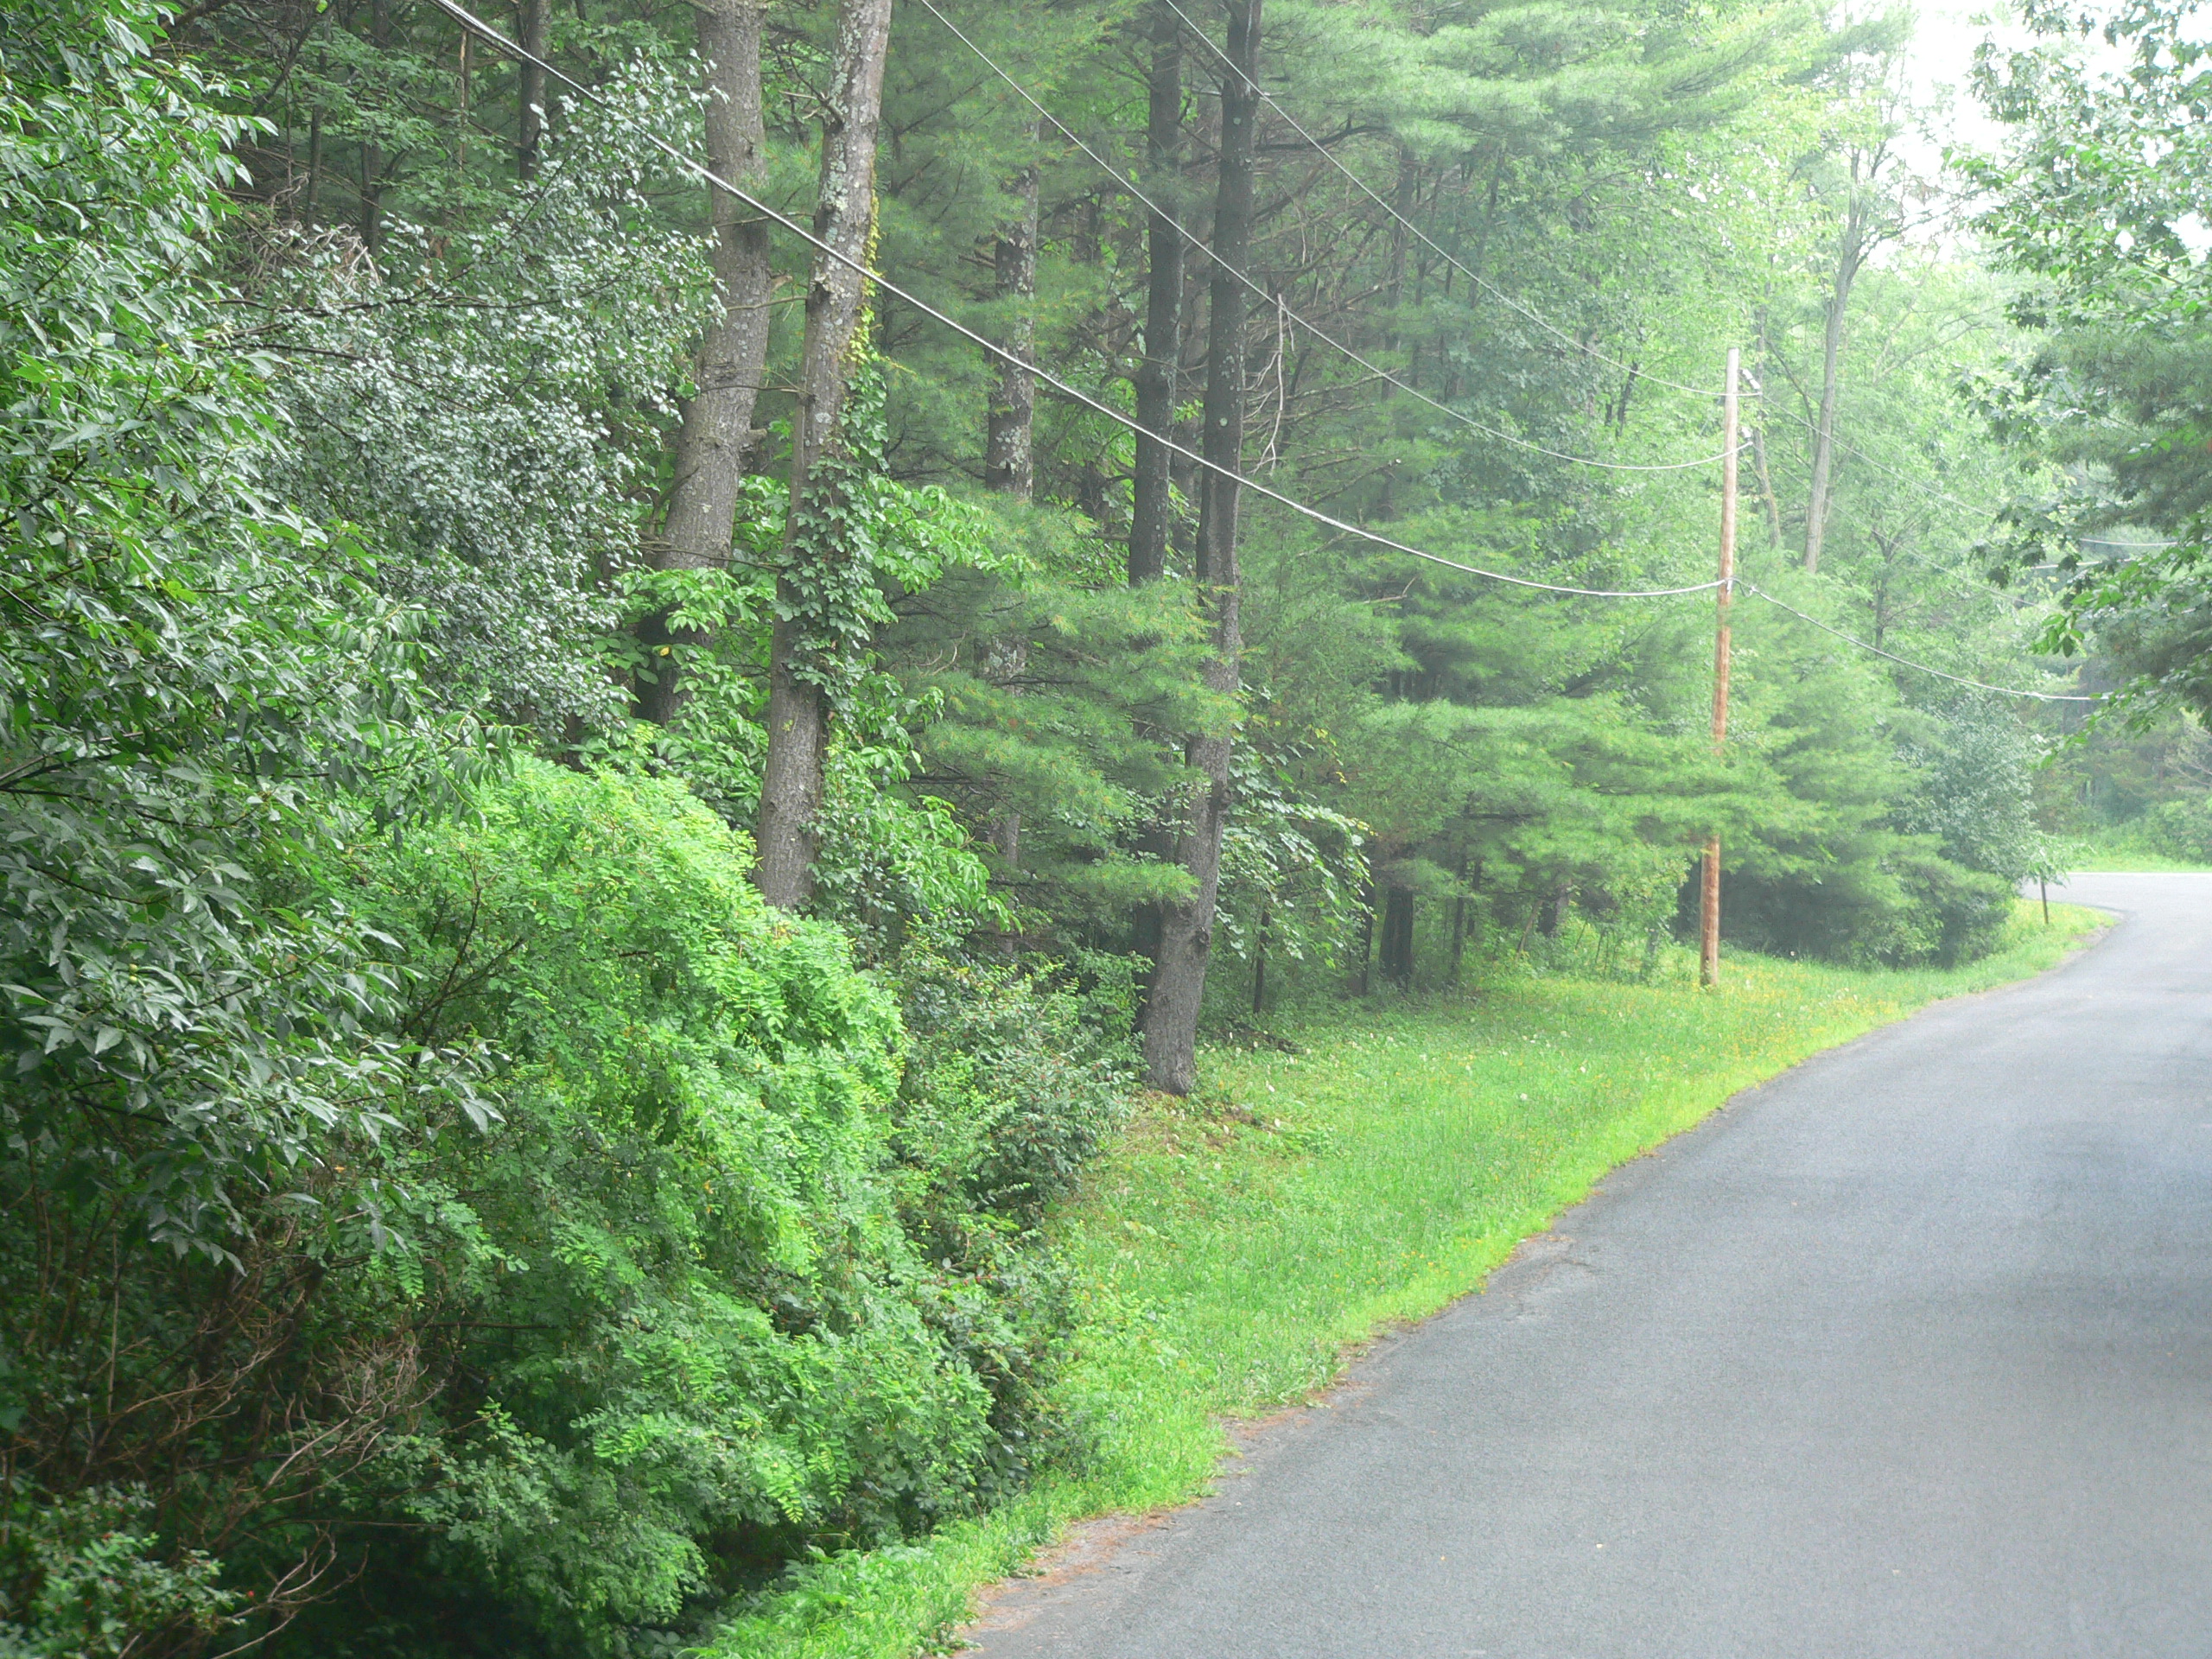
744	1272
1013	1084
86	1578
1956	915
2180	830
1905	907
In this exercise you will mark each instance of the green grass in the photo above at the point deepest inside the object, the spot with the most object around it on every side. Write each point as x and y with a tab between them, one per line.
1237	1246
2123	856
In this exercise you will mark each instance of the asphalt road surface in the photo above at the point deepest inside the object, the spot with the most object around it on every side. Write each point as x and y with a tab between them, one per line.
1907	1353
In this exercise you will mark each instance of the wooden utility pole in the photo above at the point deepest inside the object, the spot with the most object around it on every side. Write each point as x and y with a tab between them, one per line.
1708	957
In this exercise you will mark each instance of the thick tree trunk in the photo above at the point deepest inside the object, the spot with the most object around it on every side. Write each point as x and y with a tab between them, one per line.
1186	929
1009	449
1398	938
798	712
1152	515
1360	982
716	435
1153	501
529	125
1851	250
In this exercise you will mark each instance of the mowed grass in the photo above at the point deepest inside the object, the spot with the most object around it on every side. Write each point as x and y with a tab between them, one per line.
1237	1246
2124	858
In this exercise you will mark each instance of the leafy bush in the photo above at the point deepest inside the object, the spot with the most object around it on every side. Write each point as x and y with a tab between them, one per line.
1956	915
2181	829
724	1286
87	1578
1902	906
1013	1083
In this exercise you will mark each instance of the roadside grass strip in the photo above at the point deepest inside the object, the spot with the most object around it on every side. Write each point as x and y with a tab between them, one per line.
2116	856
1360	1168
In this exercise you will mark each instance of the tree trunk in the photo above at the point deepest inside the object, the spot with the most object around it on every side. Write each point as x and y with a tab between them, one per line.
1187	930
1151	514
716	435
1009	450
530	124
1360	985
1260	960
798	711
1851	250
1460	917
1152	501
1766	488
1398	938
1758	434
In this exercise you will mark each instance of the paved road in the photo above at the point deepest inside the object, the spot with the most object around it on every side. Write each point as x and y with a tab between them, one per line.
1907	1354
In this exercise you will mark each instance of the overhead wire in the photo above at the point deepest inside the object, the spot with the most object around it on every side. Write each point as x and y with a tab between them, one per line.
1941	674
1275	300
493	37
1129	186
1436	247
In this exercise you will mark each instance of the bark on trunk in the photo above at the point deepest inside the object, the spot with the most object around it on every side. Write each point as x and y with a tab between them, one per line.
1851	250
1260	962
1360	982
716	435
798	713
1009	451
1398	938
529	126
1186	929
1152	501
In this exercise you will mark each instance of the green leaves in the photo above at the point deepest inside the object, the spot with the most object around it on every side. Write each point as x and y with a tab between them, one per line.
200	687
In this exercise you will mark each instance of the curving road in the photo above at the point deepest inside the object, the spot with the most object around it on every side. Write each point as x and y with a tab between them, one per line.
1907	1355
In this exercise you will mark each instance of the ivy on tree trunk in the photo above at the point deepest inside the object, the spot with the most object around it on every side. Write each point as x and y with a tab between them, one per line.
844	220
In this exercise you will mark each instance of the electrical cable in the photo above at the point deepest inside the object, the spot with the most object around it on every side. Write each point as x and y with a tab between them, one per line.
1275	300
1958	679
492	37
1370	192
1545	323
1194	240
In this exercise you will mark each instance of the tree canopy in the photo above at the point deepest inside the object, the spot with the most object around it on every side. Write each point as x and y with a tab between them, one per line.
600	813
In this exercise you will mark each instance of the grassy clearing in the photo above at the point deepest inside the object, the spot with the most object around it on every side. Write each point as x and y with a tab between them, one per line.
2125	857
1237	1244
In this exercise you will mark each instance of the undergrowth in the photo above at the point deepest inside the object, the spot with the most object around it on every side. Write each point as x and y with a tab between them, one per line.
1356	1169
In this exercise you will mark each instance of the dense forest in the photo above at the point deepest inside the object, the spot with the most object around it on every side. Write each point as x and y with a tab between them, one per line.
612	782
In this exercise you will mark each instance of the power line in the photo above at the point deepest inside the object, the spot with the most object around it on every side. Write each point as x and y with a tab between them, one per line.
491	37
1958	679
1524	310
1545	323
1370	192
1274	300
